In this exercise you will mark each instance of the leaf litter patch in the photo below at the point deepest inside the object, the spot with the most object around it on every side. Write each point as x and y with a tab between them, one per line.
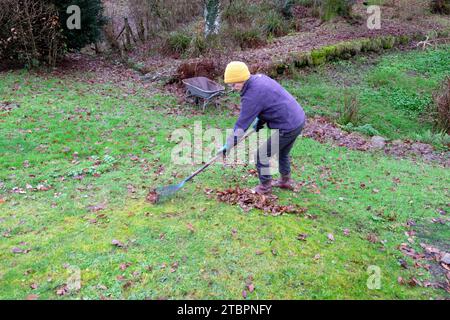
433	255
248	200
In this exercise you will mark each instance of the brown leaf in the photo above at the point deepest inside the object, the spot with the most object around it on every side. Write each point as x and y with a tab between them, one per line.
124	266
190	227
16	250
97	207
302	237
414	282
403	263
152	197
371	237
117	243
62	290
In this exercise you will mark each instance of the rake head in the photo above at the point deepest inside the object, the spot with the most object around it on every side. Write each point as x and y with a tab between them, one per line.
165	192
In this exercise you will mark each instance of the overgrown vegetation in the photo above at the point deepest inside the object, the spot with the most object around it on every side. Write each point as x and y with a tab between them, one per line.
30	33
394	94
441	106
35	33
91	22
440	6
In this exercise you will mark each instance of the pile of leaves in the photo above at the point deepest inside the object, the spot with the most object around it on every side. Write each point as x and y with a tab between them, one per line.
248	199
325	131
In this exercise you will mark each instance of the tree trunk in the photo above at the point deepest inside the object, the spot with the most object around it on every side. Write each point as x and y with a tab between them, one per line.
212	17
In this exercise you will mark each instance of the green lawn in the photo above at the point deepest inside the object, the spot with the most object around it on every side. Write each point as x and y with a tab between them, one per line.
392	90
193	246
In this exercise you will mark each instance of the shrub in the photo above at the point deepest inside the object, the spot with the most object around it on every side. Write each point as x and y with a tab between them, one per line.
238	11
198	45
92	22
275	25
440	6
331	8
248	37
440	140
30	33
349	111
178	42
442	106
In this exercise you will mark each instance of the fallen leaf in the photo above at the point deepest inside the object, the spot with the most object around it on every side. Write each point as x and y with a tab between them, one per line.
403	263
371	237
302	237
152	197
190	227
16	250
117	243
62	291
96	208
124	266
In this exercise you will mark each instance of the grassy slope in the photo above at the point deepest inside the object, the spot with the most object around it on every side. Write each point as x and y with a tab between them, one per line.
212	262
393	90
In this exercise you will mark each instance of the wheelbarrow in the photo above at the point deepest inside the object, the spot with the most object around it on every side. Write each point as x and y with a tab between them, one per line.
202	88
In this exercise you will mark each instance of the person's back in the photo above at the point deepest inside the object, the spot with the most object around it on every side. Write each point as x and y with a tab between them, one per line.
266	99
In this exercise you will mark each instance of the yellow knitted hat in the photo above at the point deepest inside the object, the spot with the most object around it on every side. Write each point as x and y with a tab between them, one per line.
236	71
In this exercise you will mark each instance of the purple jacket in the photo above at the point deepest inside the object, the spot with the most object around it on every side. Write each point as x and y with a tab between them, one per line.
266	99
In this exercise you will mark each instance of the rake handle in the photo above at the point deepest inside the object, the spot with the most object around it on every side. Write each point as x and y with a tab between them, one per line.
216	157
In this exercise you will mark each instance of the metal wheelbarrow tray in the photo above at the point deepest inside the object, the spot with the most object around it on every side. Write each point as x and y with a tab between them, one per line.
202	88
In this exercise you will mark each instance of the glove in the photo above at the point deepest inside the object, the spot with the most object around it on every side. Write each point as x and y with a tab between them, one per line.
259	124
225	150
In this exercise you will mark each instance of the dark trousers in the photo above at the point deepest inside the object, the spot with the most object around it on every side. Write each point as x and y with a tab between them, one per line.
270	148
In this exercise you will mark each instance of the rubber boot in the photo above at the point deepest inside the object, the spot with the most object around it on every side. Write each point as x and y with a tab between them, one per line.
286	182
264	188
